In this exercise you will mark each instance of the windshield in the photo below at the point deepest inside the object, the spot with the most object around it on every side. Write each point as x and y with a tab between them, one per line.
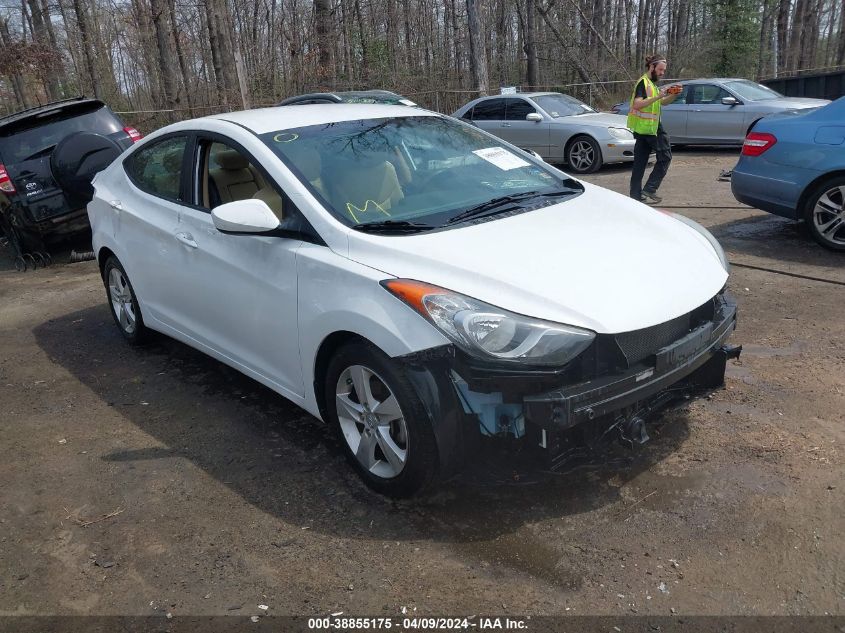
750	91
559	105
416	173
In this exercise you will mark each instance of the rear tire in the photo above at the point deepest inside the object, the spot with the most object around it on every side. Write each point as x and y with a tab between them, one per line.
123	303
824	213
385	431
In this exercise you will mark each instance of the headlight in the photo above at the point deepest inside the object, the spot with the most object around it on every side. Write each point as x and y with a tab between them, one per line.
720	252
622	133
491	333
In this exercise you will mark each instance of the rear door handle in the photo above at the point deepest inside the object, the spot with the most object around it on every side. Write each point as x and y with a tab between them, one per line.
116	205
187	239
506	125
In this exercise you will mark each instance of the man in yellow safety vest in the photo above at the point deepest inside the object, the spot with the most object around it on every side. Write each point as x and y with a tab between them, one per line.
644	122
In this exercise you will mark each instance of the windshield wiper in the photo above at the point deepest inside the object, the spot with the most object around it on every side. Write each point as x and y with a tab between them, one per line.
392	226
496	203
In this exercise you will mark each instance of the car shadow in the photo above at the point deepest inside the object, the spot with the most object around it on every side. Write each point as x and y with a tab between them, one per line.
289	464
776	238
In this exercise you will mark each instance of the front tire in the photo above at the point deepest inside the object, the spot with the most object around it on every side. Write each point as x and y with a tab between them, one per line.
824	213
123	302
383	426
583	155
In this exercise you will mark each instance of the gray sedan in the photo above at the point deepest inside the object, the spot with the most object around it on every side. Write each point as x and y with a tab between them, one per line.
721	111
558	127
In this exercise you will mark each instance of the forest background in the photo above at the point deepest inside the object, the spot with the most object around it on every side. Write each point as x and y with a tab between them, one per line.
163	60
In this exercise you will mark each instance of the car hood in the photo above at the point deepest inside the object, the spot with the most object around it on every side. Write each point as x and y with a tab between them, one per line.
600	261
794	103
598	119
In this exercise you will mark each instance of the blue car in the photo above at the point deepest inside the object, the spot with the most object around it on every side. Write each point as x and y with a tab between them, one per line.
793	165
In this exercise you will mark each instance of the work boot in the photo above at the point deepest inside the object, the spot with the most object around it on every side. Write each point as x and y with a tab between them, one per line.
650	198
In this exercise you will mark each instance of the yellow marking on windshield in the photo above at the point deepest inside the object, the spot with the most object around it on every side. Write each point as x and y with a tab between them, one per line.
351	209
285	137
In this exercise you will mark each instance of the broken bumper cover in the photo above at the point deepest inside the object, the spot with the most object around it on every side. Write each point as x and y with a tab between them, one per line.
695	362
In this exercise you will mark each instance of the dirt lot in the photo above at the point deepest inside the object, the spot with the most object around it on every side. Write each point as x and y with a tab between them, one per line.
223	496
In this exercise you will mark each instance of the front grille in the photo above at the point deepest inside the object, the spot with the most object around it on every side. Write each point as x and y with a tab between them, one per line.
640	344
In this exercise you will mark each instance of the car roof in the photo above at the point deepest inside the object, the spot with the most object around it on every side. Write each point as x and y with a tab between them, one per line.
341	96
518	94
43	109
263	120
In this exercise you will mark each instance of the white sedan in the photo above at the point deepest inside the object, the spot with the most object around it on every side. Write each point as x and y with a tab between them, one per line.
411	280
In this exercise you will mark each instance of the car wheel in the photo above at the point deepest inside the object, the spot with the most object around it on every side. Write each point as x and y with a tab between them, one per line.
583	155
824	213
123	302
383	426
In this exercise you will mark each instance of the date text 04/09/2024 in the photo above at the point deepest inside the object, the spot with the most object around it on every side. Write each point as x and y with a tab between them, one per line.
416	623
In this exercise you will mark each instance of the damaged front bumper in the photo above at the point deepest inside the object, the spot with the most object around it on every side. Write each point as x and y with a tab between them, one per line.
618	382
693	363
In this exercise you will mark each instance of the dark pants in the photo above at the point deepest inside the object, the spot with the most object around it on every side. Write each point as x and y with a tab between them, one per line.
645	145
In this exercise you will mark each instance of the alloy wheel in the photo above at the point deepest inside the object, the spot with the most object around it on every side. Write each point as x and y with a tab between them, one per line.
581	155
828	215
121	301
372	421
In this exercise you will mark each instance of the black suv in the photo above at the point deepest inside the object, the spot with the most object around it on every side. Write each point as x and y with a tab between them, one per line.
48	158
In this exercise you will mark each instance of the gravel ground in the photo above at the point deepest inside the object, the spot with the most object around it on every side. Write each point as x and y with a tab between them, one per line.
154	480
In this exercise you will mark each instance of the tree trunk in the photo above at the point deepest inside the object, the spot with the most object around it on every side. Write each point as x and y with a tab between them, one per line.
840	55
530	46
18	85
39	35
477	54
168	77
322	23
783	34
575	60
216	59
180	55
85	36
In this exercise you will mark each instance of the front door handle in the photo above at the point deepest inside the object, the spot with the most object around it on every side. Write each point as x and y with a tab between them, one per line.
506	125
187	239
116	205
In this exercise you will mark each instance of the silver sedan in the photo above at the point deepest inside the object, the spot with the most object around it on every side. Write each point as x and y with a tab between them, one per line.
721	111
560	128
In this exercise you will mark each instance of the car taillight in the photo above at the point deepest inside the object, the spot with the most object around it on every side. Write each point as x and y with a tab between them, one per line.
757	142
6	183
134	134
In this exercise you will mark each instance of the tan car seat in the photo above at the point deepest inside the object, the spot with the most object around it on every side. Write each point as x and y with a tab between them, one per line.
273	200
308	162
233	177
366	191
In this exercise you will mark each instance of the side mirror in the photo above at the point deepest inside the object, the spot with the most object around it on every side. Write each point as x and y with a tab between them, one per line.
731	101
534	116
245	216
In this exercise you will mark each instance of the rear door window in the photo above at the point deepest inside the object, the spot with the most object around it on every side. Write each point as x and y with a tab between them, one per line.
490	110
157	168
